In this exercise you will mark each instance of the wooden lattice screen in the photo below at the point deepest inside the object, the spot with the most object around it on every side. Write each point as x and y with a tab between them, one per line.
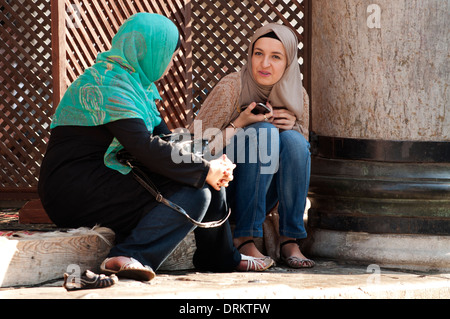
33	77
25	93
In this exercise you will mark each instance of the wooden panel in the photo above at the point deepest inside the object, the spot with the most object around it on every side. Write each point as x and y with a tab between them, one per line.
181	257
25	90
33	213
30	259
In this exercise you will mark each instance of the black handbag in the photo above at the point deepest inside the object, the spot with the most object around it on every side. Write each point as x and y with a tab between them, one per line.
126	158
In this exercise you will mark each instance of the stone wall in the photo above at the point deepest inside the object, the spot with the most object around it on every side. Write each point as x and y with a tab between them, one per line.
380	69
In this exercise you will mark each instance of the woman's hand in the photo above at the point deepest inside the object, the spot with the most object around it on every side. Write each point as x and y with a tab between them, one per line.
246	117
283	119
220	172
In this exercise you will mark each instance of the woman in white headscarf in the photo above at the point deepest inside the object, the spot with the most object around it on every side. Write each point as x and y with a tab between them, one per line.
270	149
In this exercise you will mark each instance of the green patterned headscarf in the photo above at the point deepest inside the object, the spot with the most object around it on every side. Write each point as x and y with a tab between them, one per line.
120	84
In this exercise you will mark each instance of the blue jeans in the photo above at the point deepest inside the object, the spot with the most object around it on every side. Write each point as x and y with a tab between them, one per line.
161	230
271	167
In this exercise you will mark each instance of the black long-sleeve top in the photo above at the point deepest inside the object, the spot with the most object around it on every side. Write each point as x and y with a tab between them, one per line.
77	189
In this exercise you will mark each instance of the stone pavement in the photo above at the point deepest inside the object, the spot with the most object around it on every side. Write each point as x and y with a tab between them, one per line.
327	280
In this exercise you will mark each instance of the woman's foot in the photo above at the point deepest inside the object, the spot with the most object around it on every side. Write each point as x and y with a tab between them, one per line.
291	255
252	258
127	267
249	263
246	246
115	263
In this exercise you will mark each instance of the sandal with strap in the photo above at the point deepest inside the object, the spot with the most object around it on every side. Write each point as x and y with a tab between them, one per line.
88	280
267	260
131	270
257	264
293	261
250	241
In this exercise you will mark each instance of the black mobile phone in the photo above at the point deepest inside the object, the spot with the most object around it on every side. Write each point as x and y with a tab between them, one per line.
260	108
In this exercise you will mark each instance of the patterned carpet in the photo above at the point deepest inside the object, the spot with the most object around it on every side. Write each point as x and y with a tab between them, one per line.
9	221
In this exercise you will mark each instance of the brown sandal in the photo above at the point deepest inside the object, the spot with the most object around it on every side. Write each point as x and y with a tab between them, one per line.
132	270
88	280
293	261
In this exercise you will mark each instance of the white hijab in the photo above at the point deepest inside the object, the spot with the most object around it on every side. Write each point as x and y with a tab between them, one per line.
288	91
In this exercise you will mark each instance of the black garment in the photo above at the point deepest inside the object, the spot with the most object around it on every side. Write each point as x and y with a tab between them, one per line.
77	189
215	248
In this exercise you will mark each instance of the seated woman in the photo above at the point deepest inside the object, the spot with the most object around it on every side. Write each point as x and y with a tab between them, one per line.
270	150
111	107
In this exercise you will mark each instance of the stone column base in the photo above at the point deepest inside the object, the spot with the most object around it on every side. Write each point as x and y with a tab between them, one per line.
402	251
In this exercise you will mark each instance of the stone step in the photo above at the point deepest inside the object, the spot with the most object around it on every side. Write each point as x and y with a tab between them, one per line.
32	258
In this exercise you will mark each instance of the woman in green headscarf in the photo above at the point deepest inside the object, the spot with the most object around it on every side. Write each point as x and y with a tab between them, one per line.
110	107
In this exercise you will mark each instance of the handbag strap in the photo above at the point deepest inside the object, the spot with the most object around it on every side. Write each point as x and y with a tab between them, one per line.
151	188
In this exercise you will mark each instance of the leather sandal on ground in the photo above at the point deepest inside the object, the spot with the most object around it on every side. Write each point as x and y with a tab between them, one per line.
131	270
293	261
88	280
256	263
